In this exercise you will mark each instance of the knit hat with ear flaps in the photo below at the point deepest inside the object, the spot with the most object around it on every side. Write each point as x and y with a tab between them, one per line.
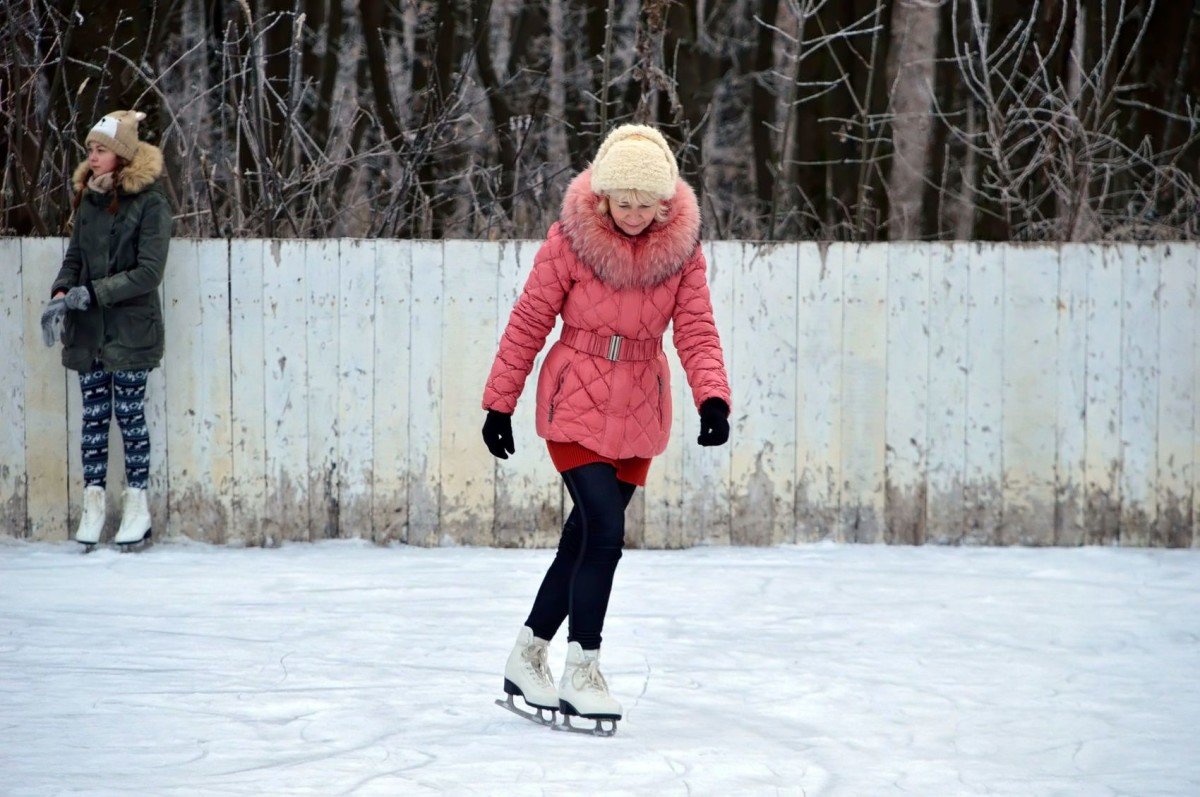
117	131
635	157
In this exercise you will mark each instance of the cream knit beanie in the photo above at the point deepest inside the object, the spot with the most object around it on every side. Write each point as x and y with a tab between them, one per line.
117	131
635	157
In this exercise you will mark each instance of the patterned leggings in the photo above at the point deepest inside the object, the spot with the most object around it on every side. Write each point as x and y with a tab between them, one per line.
126	392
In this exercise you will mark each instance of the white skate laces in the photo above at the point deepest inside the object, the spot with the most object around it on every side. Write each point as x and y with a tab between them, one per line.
535	658
587	677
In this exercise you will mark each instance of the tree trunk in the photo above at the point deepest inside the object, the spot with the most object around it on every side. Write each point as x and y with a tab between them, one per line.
764	105
556	144
911	74
498	101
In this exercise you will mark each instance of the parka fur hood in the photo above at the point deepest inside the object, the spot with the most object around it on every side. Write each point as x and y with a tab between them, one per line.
138	175
623	261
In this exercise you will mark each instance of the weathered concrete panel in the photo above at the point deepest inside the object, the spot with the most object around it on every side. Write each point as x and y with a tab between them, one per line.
285	413
425	396
13	487
1030	412
393	349
1175	422
949	278
1071	394
45	381
763	458
864	392
1102	423
322	333
469	327
1139	394
529	493
907	431
248	386
819	332
706	470
356	388
974	393
984	472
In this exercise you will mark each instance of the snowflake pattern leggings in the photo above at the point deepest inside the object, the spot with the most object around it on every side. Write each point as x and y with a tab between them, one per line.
124	391
579	580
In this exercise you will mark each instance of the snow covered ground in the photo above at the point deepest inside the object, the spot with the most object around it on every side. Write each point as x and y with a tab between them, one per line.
343	667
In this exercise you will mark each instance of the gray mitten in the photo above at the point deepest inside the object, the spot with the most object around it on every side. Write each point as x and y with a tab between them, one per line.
79	298
52	320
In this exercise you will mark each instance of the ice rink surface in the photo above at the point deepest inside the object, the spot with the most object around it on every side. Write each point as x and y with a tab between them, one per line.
346	668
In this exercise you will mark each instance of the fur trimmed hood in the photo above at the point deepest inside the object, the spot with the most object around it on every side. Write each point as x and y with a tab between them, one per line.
623	261
137	176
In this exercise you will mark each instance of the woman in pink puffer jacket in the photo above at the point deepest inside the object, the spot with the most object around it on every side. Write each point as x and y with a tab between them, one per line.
622	262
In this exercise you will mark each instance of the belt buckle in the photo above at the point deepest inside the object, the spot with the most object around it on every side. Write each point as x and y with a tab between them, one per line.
614	347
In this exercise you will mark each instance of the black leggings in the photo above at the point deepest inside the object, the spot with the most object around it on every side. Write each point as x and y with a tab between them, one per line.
580	578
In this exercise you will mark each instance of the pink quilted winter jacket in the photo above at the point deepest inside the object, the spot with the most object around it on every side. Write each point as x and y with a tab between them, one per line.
607	283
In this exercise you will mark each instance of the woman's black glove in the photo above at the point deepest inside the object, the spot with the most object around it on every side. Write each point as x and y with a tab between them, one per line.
714	422
497	434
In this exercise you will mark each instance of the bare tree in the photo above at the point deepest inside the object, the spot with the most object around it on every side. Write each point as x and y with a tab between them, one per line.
852	120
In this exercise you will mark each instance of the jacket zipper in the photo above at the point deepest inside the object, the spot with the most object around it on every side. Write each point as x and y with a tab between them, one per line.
660	399
562	376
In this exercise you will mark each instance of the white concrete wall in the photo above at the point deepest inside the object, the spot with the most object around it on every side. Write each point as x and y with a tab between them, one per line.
949	393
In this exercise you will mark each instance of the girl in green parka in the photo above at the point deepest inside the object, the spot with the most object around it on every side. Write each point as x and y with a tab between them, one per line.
106	310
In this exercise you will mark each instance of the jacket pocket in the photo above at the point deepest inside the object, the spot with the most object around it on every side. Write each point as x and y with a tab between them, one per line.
137	327
558	386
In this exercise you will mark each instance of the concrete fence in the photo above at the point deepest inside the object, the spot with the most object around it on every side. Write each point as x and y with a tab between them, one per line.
906	393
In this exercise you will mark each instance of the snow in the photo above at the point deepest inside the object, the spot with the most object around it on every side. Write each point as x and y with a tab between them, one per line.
343	667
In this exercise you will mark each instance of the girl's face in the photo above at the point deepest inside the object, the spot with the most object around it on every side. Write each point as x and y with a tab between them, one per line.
631	216
101	159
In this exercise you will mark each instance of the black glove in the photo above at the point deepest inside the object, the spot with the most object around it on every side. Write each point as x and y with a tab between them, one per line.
714	422
81	297
52	321
497	434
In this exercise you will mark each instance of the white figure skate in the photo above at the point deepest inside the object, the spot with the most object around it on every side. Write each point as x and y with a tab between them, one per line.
582	692
135	519
91	522
527	674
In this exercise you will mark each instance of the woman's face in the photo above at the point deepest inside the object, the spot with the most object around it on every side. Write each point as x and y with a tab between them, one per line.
101	159
631	216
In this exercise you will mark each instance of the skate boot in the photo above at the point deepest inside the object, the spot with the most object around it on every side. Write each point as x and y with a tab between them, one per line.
135	519
582	692
527	674
91	522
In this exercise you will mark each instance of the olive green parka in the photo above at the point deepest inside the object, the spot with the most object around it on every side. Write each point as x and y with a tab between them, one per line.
121	257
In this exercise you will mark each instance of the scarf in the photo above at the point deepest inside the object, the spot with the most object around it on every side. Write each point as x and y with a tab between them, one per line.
101	183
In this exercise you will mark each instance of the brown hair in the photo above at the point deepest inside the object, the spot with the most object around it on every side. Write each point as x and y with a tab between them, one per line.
115	203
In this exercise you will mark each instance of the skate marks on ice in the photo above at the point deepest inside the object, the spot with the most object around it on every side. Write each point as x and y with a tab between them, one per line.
344	667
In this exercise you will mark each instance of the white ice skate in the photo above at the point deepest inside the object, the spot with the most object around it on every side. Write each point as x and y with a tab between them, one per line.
91	522
582	692
135	519
527	674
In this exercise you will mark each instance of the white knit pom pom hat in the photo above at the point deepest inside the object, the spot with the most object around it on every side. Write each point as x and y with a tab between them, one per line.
635	157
